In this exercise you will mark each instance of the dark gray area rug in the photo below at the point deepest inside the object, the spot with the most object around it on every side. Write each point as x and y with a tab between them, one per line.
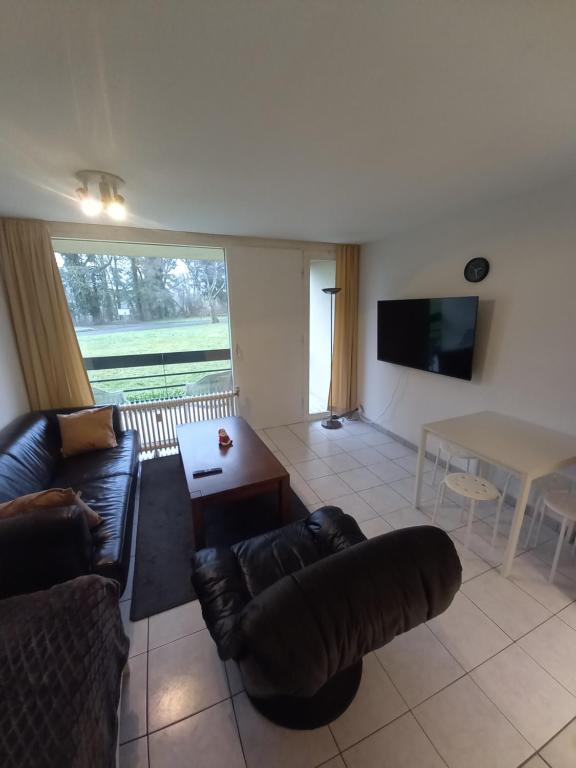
164	541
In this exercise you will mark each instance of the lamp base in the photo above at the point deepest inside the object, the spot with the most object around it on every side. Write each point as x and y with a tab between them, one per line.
332	423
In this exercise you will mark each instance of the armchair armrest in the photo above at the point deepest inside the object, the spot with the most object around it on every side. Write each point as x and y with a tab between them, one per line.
218	585
333	530
327	616
42	548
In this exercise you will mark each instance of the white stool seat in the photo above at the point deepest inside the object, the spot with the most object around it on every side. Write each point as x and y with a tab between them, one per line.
471	486
475	493
561	503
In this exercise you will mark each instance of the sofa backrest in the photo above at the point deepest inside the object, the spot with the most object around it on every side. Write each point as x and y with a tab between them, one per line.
29	453
52	416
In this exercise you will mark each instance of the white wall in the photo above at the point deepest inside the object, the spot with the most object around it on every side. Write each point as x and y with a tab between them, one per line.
525	363
13	398
269	329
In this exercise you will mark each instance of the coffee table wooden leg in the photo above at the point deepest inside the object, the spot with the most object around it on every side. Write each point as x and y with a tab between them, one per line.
198	521
284	500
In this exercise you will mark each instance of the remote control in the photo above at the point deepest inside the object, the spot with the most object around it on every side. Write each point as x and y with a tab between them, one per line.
206	472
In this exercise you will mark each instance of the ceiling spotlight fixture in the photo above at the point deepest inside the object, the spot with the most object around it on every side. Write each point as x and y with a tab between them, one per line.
106	196
116	209
90	205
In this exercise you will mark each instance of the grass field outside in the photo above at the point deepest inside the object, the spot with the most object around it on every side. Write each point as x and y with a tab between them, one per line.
181	336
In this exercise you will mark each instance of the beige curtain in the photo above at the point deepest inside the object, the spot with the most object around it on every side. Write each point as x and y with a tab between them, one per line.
51	360
344	369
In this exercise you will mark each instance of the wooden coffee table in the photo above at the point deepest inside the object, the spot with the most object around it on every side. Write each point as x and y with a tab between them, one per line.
249	468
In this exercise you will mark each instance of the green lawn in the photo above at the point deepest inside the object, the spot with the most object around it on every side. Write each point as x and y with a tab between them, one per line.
189	336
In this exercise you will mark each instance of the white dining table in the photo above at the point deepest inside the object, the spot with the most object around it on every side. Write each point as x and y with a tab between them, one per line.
528	450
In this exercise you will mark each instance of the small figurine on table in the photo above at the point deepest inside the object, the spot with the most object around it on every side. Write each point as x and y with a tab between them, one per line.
223	439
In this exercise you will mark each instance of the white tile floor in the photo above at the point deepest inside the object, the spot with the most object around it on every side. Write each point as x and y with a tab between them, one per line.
489	684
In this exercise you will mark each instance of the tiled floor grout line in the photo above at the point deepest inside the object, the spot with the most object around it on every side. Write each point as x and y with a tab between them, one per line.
169	642
147	694
325	762
504	715
180	637
512	640
187	717
147	665
555	735
180	720
374	732
560	683
429	740
409	709
489	658
236	723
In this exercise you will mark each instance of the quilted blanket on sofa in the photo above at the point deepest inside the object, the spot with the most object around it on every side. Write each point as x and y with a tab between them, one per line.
62	652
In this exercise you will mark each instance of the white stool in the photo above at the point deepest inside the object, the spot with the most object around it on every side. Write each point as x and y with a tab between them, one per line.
562	506
468	487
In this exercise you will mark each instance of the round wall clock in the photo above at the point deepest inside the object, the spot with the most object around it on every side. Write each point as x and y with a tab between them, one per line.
476	269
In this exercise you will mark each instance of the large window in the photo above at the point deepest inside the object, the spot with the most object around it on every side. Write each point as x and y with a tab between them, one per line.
152	321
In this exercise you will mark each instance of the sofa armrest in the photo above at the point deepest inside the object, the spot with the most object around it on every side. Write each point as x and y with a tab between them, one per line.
327	616
42	548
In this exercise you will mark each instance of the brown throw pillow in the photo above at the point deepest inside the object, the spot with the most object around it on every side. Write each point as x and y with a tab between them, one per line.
51	498
87	430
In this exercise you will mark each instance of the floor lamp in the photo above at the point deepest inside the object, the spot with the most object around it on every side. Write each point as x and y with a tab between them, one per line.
333	422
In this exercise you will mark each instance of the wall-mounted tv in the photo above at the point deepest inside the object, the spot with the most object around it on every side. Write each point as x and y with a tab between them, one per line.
435	335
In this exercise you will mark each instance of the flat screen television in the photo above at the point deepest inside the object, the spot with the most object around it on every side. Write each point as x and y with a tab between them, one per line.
435	335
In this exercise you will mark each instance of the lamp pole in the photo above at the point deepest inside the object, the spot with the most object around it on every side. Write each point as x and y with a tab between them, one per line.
333	422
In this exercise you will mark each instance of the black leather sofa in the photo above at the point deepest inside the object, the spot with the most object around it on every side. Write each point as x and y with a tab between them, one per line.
37	549
299	607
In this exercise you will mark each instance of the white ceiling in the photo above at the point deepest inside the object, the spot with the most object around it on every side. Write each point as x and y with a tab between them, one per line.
337	120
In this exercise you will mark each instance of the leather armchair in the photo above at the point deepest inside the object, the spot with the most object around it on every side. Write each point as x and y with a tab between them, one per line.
300	606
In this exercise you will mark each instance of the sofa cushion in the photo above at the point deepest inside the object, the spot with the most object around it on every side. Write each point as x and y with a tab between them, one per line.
32	445
86	431
48	500
77	471
52	416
